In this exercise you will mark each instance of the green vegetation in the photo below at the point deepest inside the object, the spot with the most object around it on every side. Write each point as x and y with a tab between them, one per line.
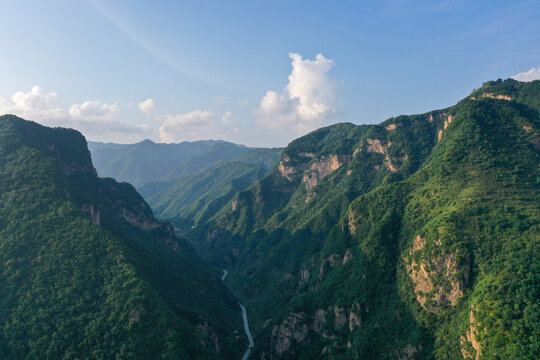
191	199
87	272
148	161
415	239
418	238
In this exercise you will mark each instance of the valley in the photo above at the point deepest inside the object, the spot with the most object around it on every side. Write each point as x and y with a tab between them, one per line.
417	238
403	211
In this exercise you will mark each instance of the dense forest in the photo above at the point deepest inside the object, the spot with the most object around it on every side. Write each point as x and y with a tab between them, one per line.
87	272
418	238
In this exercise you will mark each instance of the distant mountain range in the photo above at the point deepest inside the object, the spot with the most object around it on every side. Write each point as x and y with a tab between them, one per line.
148	161
186	182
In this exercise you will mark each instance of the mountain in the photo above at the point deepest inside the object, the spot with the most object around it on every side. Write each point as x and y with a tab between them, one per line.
418	238
147	161
86	270
190	199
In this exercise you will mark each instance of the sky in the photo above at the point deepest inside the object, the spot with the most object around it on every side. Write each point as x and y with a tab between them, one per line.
259	73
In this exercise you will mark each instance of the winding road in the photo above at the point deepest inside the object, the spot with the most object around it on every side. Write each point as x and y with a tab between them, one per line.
246	324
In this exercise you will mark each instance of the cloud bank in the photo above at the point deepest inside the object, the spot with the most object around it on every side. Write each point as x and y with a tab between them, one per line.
94	119
531	75
308	101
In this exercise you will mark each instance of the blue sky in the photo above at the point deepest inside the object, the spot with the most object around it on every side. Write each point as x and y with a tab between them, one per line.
249	71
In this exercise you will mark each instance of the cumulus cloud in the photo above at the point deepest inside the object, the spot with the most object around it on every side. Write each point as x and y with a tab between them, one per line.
95	120
99	121
93	110
196	125
147	106
308	100
190	126
35	104
531	75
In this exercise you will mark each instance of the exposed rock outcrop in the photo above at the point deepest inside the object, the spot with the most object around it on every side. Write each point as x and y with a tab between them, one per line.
351	219
287	171
445	125
95	215
323	167
376	146
393	164
442	270
435	116
295	327
498	97
292	328
139	220
471	339
392	126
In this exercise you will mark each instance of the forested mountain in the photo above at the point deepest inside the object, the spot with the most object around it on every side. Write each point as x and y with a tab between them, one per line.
191	199
86	270
148	161
418	238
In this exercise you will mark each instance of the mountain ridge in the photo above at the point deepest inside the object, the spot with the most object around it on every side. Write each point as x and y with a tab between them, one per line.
88	271
347	201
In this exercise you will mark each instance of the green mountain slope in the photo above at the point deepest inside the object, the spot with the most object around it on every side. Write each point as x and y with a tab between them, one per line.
415	239
86	270
147	161
191	199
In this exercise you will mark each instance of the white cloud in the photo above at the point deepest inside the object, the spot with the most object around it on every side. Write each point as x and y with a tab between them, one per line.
34	104
196	125
100	121
147	106
190	126
531	75
93	110
226	118
308	100
95	120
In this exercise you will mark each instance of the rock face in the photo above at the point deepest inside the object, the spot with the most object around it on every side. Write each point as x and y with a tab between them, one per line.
292	328
95	215
498	97
287	171
375	146
471	339
393	126
378	147
393	164
435	116
295	328
436	278
445	125
322	168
